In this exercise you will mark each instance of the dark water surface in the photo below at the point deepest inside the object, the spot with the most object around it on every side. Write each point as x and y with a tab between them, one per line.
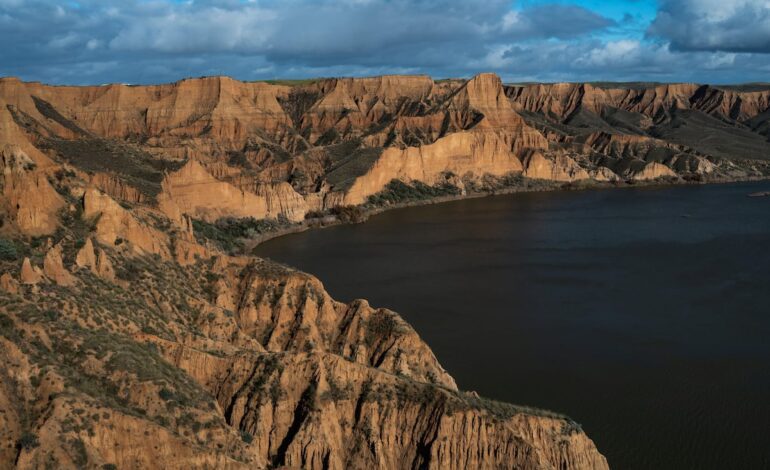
644	314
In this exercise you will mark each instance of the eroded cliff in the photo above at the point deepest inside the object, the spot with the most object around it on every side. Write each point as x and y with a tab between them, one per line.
119	356
133	339
213	148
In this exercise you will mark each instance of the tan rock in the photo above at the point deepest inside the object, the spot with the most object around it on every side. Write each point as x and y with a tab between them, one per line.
283	200
9	284
103	266
117	188
29	197
459	153
30	274
116	223
653	170
692	164
86	257
188	252
193	191
556	168
603	173
54	269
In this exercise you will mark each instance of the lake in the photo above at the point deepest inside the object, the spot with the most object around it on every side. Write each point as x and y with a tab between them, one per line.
642	313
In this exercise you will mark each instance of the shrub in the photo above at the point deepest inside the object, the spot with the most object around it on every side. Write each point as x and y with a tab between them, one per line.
335	392
8	250
247	437
28	441
380	325
227	232
51	315
399	192
80	457
130	270
349	214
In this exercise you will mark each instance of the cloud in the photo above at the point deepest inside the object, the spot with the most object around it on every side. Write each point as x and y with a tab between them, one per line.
282	37
198	30
553	21
714	25
150	41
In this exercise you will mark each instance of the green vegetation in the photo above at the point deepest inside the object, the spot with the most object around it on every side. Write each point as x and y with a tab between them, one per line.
228	233
27	441
298	102
381	325
349	214
80	455
335	392
247	437
398	192
348	162
8	251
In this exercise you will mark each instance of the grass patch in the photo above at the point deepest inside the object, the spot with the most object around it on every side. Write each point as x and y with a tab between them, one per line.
228	233
349	162
397	192
8	251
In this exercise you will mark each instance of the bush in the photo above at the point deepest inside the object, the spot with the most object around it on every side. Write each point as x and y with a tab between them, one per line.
247	437
28	441
381	325
8	250
349	214
399	192
335	392
228	232
80	455
130	270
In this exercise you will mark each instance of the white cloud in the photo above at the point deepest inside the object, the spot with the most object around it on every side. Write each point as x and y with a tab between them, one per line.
199	30
714	25
163	40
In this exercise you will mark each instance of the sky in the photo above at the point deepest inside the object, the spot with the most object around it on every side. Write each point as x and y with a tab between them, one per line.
154	41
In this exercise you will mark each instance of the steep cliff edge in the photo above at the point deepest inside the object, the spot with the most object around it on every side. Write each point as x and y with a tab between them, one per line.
127	344
216	147
132	340
239	363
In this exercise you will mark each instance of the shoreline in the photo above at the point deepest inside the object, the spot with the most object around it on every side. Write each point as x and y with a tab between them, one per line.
320	223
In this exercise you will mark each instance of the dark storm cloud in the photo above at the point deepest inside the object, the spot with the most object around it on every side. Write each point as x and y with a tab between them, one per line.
147	41
714	25
143	41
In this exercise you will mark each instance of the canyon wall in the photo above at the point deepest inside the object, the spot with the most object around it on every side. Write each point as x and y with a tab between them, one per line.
133	338
216	147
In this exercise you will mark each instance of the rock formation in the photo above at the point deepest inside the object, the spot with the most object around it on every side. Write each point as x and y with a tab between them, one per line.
149	338
53	267
215	147
30	274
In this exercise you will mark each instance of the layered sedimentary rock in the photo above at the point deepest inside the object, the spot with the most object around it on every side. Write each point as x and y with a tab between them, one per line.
27	195
224	148
116	225
660	120
193	191
130	342
266	370
459	153
558	168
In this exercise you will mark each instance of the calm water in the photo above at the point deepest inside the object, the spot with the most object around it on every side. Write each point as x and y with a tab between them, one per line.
644	314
